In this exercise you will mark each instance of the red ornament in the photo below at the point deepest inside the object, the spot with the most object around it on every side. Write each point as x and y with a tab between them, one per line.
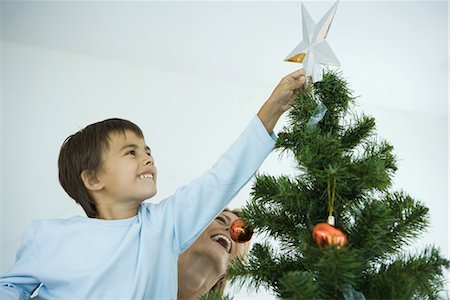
240	232
325	234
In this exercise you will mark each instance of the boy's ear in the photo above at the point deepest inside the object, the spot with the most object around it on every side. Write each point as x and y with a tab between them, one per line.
90	181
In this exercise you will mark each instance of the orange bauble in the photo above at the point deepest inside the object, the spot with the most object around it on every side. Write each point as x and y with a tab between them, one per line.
240	232
325	234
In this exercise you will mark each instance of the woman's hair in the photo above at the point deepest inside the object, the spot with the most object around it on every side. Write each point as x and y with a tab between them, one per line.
83	151
219	287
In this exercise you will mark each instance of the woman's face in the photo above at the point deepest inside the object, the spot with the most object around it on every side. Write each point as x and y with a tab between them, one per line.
215	246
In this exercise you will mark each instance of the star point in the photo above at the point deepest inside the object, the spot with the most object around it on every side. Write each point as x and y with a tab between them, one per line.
314	51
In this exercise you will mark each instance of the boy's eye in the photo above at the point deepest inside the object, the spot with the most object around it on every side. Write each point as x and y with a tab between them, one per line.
132	152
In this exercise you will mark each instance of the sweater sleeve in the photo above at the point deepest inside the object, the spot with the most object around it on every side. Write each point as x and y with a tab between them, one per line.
193	207
21	280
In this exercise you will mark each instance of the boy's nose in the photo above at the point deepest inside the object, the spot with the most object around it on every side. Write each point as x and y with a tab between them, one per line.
149	162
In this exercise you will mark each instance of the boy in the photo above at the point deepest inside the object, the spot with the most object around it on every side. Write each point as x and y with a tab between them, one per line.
126	249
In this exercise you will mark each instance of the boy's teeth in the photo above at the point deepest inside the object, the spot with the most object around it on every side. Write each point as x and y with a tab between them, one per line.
146	176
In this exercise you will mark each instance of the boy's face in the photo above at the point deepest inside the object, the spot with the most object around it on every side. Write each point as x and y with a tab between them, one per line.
127	172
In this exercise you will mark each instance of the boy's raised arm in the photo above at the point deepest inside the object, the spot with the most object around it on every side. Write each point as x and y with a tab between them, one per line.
194	206
281	99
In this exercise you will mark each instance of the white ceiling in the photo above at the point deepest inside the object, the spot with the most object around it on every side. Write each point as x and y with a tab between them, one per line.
394	54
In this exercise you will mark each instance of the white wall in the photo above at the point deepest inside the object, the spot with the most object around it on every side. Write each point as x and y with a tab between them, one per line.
192	75
2	119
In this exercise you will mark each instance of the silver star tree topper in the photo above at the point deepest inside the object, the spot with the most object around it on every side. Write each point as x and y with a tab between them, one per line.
314	51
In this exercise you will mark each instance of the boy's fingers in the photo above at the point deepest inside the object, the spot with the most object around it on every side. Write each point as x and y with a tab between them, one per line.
296	74
302	80
296	83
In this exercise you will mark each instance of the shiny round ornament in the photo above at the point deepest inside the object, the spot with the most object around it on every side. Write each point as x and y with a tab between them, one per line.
324	234
240	232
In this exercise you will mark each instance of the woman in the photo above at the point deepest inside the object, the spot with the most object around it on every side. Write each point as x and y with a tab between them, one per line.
202	267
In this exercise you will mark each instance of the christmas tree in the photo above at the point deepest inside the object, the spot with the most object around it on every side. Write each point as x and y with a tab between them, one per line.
344	172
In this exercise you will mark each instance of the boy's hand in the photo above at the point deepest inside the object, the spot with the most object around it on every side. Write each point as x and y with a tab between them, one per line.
284	93
281	99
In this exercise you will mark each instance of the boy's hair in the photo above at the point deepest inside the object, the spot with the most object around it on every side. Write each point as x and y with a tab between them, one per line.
83	151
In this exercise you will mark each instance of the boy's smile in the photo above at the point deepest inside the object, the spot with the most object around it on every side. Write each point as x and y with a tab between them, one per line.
127	175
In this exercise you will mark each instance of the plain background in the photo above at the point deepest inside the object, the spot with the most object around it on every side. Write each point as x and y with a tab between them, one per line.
192	75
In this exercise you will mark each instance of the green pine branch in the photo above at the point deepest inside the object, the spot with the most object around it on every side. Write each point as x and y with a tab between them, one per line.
339	156
215	296
280	196
298	286
260	268
361	130
408	277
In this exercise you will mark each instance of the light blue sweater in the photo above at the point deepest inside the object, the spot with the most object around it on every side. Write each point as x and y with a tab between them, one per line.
136	258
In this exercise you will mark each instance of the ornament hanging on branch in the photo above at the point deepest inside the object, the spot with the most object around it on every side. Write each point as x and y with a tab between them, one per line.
240	232
325	234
